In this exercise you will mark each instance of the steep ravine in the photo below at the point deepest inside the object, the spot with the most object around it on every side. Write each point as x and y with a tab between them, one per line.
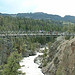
29	67
60	58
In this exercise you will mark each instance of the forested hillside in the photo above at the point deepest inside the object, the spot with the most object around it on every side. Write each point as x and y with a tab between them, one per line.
44	16
25	24
41	15
12	49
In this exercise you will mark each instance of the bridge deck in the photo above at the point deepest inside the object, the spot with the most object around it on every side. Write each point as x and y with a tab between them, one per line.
34	33
41	34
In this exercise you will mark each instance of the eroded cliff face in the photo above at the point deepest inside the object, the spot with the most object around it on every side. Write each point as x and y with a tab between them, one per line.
60	58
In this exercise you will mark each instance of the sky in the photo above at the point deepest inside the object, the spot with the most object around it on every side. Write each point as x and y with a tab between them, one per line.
56	7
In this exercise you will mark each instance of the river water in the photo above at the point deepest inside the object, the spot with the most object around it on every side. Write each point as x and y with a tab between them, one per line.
29	67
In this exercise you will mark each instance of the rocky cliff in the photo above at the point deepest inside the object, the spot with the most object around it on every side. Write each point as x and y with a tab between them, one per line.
60	58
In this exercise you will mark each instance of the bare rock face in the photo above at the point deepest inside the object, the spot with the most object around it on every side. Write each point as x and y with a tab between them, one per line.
61	58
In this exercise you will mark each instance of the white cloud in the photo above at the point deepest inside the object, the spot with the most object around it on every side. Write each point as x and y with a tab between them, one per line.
60	7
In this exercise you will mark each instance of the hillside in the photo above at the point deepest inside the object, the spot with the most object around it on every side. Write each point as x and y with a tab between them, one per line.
26	24
60	58
41	15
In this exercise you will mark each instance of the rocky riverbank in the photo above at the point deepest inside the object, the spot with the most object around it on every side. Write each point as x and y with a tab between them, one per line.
59	58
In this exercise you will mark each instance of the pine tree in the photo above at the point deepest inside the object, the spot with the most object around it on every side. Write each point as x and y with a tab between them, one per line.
12	66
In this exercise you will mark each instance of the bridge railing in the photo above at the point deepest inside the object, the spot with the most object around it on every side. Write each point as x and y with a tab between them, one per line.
35	32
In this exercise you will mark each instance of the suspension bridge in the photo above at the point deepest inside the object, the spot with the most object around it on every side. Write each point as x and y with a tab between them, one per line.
34	33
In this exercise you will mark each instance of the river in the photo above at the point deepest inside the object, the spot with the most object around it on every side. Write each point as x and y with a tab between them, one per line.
29	67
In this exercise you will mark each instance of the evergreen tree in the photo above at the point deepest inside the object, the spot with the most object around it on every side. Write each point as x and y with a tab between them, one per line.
12	66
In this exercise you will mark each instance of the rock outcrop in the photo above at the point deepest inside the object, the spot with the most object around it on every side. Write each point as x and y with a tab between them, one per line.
60	58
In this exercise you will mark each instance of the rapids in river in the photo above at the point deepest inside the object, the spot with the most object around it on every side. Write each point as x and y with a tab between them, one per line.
29	67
